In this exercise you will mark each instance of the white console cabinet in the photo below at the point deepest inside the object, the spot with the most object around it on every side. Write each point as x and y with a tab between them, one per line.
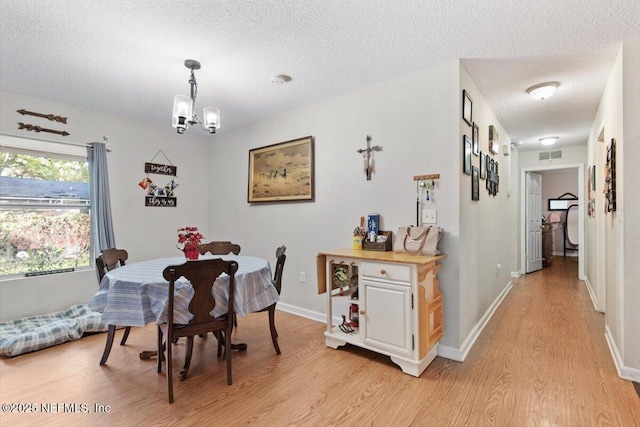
399	303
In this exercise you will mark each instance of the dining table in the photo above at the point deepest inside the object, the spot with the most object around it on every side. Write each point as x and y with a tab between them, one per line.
136	294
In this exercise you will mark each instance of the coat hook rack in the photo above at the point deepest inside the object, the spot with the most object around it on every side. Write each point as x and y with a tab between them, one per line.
367	155
428	185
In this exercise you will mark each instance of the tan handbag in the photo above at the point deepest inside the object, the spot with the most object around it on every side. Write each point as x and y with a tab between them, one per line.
418	240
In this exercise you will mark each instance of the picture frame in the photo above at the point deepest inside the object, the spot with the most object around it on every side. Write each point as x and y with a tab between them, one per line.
282	172
483	165
475	183
494	140
467	107
476	139
467	147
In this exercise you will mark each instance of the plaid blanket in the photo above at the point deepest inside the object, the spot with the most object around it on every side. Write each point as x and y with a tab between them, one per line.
38	332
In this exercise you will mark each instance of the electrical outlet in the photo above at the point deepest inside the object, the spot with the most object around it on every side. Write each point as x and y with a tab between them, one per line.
429	216
303	277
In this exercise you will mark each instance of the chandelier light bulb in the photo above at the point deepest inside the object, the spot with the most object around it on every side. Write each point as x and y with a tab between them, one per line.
183	107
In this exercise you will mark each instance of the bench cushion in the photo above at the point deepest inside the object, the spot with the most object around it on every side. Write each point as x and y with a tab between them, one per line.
37	332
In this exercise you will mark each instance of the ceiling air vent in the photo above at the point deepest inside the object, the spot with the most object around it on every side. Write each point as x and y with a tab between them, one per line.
550	155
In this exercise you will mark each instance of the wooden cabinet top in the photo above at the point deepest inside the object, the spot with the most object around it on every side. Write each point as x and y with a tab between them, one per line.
388	256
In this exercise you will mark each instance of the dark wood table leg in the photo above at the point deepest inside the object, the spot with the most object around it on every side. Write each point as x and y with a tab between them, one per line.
107	347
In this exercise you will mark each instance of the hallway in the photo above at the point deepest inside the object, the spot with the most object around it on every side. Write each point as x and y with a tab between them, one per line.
546	345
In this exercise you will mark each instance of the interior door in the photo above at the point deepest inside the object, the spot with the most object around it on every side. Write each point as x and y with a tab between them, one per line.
533	220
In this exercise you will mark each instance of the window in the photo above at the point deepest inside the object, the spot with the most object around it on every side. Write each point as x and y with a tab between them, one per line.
45	224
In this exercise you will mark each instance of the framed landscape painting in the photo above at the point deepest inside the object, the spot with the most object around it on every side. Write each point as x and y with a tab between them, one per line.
282	172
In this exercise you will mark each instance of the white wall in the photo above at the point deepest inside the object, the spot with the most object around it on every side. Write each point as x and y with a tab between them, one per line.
610	113
484	224
414	119
616	276
570	155
145	232
630	203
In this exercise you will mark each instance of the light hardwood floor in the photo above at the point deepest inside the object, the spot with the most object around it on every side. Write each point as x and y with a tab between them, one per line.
542	360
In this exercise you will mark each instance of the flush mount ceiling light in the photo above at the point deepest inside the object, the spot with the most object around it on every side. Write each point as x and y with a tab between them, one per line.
550	140
543	90
279	79
184	106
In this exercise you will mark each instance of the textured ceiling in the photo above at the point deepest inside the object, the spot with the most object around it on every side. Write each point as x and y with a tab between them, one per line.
126	57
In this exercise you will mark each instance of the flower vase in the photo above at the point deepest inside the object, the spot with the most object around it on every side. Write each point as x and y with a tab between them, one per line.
191	253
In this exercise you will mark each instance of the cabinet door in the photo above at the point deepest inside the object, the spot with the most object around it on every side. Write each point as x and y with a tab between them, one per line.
385	317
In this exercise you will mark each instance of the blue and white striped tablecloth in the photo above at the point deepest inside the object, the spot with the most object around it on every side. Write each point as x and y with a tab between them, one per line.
137	294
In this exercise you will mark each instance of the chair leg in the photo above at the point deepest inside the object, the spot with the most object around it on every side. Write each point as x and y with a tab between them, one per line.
169	369
187	359
160	351
126	335
272	327
107	347
218	335
227	352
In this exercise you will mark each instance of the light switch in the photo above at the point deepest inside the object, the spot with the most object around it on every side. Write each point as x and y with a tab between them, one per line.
429	216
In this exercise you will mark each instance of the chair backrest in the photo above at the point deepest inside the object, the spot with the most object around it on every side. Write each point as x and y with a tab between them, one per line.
277	276
202	275
109	259
220	248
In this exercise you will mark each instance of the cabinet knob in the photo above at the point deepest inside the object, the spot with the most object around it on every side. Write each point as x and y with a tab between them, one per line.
362	312
383	271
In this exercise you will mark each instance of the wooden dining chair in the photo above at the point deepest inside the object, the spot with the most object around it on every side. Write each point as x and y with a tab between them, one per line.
202	275
109	259
277	282
220	248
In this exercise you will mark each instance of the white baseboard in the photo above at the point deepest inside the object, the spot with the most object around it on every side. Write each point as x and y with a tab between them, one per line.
624	372
592	294
302	312
516	274
460	354
572	253
443	351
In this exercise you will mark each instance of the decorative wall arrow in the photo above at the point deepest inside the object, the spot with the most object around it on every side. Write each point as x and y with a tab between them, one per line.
41	129
51	117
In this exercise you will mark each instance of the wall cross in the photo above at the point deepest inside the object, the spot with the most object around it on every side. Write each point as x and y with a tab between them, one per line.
367	155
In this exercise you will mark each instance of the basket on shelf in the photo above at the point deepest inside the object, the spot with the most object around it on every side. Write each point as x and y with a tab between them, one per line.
385	246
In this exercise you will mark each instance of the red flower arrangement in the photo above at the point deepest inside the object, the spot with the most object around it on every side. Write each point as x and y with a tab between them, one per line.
189	238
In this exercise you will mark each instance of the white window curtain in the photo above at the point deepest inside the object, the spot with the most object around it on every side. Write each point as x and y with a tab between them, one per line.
101	220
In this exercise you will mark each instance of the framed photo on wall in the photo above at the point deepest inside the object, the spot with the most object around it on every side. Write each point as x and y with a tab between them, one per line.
476	139
467	105
282	172
475	183
483	165
494	140
467	147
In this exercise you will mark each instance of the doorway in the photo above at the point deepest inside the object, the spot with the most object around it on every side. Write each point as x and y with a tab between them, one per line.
523	213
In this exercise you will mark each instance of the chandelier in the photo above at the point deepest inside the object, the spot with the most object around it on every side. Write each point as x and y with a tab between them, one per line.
184	107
